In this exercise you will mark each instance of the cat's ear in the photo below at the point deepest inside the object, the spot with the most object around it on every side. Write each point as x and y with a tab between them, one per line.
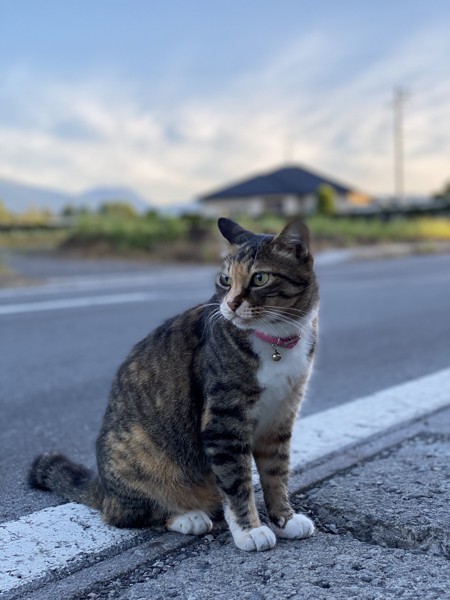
233	232
295	234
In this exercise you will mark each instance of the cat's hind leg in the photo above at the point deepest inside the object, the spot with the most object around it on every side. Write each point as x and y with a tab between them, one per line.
126	514
192	522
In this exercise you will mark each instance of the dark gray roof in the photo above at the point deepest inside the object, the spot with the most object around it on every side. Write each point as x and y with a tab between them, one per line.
288	180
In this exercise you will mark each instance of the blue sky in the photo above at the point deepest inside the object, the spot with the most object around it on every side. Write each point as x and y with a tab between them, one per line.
175	98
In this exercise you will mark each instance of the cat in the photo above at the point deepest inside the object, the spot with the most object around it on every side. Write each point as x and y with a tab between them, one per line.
201	396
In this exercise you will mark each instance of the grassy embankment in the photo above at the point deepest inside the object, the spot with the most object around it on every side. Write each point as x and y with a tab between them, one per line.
346	232
196	239
193	238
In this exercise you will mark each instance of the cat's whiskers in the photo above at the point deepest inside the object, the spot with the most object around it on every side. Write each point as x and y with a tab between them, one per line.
272	327
290	328
204	306
290	309
277	315
289	325
287	331
213	318
296	316
283	313
201	307
294	319
264	315
284	319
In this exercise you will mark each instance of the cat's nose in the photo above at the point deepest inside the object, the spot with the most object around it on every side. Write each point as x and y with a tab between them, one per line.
234	304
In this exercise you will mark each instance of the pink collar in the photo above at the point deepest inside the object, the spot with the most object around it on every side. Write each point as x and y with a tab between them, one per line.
289	342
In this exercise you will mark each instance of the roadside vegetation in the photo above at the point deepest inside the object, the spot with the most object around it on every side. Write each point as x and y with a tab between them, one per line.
117	230
163	238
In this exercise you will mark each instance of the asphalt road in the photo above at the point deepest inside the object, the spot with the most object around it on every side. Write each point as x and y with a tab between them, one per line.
382	323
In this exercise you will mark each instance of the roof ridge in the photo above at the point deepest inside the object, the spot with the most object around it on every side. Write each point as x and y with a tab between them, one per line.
290	179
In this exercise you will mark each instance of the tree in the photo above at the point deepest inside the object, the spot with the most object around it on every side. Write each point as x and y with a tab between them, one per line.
5	215
33	215
444	194
326	204
68	210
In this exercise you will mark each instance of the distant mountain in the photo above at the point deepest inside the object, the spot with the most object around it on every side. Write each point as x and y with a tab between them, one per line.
17	197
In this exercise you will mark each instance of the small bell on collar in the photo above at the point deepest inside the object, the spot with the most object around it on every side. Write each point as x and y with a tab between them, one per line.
276	356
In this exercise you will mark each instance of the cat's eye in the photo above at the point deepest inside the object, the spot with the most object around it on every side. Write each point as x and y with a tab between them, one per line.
225	280
260	279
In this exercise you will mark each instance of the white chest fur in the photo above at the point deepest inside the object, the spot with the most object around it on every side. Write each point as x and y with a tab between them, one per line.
277	379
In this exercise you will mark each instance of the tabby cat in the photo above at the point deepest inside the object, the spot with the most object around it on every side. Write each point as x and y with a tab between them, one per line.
201	396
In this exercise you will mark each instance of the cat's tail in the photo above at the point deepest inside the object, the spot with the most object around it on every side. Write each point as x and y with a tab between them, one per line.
58	474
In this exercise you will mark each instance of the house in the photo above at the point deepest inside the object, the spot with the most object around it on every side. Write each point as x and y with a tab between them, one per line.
288	191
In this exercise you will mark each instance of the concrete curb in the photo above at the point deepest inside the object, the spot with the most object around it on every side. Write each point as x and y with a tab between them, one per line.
319	451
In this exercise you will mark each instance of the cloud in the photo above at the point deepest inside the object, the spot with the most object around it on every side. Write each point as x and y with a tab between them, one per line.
74	135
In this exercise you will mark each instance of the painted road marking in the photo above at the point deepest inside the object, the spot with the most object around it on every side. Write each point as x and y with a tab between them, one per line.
162	276
51	539
64	303
88	301
54	538
171	277
332	430
78	284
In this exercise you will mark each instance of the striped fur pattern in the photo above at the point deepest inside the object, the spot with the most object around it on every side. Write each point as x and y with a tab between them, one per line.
200	396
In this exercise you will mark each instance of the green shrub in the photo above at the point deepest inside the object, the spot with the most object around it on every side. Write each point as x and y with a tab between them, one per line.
326	204
194	236
123	234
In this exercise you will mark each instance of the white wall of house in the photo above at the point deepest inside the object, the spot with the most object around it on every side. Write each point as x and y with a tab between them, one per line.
342	203
233	206
308	204
289	205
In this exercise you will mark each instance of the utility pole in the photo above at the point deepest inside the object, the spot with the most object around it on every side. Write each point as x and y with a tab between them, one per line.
399	100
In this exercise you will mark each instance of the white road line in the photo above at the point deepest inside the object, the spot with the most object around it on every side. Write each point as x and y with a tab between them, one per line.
51	539
54	538
86	301
333	429
91	283
173	275
29	307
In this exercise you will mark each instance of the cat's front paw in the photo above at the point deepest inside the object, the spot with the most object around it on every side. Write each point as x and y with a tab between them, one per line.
193	522
259	539
298	527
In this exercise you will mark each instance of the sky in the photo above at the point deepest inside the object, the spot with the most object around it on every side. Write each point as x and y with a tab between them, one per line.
176	98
